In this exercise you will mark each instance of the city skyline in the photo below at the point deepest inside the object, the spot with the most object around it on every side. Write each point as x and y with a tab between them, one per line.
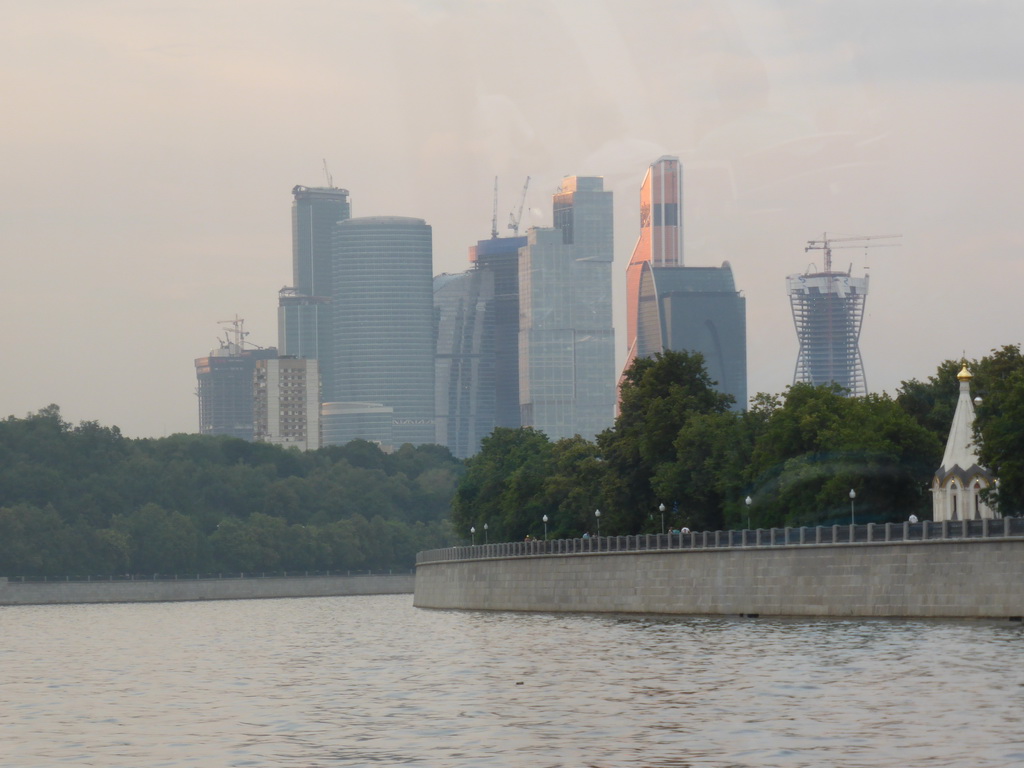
149	151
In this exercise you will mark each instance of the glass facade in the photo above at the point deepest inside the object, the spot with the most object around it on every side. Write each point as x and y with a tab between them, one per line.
383	313
671	306
566	341
660	242
697	309
307	313
298	319
465	385
341	423
225	386
499	257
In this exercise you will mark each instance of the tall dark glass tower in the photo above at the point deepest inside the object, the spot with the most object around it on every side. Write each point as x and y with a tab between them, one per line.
383	313
696	309
305	326
499	258
464	410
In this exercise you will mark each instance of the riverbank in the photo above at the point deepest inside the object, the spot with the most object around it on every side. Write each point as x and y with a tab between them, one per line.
898	571
178	590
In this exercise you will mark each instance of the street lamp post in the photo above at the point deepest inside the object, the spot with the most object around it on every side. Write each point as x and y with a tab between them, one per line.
485	533
853	517
661	508
748	501
545	519
597	514
472	535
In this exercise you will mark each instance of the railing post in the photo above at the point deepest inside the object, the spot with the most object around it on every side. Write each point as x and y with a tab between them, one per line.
835	533
1006	526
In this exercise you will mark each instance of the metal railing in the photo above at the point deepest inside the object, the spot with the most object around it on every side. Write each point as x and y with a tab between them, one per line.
871	533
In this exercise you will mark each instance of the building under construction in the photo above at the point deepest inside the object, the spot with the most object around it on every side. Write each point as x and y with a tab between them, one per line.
828	312
225	384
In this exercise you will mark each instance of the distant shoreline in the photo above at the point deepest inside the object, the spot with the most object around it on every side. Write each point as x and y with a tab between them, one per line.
182	590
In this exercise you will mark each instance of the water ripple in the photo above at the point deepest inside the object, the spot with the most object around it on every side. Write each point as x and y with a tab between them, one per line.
362	681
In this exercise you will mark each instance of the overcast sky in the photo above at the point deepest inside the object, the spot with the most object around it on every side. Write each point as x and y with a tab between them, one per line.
149	149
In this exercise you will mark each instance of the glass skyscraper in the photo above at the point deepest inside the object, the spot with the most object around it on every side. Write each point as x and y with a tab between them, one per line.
672	306
661	237
499	257
465	384
383	313
566	340
305	326
697	309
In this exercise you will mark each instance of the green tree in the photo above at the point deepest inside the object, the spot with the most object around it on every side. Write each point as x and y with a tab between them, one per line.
160	541
999	427
503	485
658	397
571	491
819	444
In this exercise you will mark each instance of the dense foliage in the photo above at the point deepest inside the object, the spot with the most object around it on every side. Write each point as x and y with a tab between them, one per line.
797	456
999	425
83	499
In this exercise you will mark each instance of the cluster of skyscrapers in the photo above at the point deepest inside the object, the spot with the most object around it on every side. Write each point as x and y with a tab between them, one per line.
371	345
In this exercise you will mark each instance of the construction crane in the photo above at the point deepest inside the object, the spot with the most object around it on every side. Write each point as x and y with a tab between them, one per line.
327	173
515	218
859	241
494	211
234	337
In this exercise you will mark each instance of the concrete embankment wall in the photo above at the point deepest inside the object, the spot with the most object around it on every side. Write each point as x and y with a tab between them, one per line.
939	579
143	591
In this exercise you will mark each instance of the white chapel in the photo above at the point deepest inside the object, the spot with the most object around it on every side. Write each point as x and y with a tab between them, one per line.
958	482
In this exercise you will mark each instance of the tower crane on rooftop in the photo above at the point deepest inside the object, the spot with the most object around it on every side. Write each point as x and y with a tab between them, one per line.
515	218
857	241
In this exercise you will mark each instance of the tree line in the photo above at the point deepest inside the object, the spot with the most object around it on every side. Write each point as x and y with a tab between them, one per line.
81	500
677	443
84	500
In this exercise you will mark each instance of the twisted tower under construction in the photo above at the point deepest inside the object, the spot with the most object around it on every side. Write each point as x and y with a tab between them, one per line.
828	312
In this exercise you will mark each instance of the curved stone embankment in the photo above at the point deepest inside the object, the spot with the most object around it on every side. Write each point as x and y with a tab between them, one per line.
965	578
145	591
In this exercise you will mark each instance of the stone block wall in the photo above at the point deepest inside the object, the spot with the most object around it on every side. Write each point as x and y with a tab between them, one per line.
43	593
949	579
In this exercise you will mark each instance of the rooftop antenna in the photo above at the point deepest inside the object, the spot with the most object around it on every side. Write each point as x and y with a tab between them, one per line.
494	211
327	173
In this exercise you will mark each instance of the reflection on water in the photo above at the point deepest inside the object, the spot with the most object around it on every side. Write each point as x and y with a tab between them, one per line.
353	681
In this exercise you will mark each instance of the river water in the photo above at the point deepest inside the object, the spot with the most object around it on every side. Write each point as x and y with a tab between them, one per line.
367	681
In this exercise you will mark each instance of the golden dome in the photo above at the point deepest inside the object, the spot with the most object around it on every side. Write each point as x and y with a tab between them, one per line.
964	374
